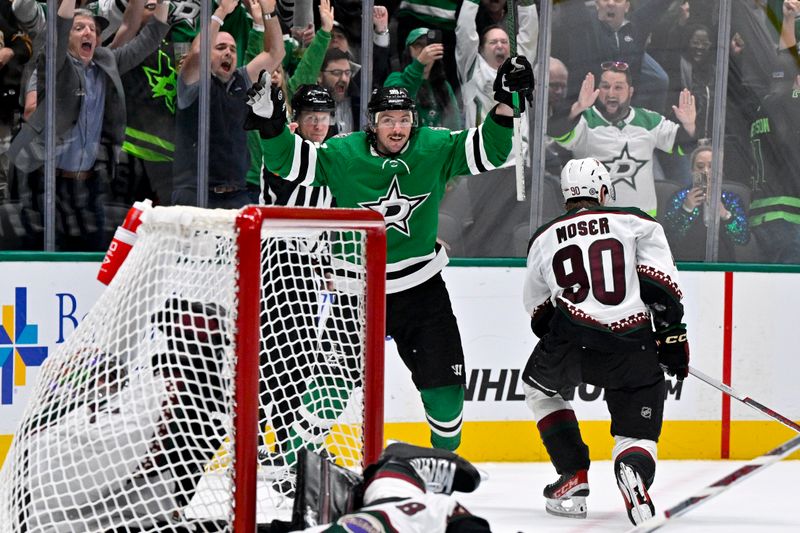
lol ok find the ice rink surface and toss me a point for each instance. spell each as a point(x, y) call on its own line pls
point(511, 499)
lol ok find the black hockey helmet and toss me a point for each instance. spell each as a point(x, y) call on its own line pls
point(390, 99)
point(312, 98)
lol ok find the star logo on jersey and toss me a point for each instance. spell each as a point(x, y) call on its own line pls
point(186, 12)
point(624, 167)
point(396, 207)
point(162, 81)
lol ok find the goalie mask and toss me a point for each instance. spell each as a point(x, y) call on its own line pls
point(584, 178)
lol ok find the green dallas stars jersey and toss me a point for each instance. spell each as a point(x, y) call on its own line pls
point(406, 189)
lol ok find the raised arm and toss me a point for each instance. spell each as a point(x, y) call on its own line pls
point(131, 54)
point(274, 50)
point(528, 37)
point(686, 112)
point(788, 38)
point(131, 22)
point(307, 70)
point(467, 41)
point(190, 70)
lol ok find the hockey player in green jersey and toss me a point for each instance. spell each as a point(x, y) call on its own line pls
point(400, 170)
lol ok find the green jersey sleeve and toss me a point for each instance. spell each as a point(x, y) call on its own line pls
point(477, 150)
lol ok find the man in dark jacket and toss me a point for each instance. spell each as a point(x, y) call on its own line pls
point(90, 104)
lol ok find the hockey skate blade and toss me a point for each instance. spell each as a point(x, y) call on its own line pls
point(574, 507)
point(637, 500)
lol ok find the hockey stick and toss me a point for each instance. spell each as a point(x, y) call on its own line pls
point(747, 400)
point(511, 9)
point(720, 486)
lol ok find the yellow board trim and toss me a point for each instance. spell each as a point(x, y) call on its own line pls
point(518, 441)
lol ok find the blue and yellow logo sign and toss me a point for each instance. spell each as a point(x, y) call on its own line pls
point(17, 346)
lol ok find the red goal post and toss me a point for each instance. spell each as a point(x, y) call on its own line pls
point(249, 224)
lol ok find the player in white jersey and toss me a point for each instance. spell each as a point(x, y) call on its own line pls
point(409, 490)
point(602, 124)
point(598, 280)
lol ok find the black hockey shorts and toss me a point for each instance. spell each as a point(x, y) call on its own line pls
point(422, 323)
point(634, 382)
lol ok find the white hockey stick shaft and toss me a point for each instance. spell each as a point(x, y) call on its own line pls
point(720, 486)
point(519, 166)
point(516, 146)
point(747, 400)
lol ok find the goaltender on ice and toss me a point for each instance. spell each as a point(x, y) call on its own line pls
point(400, 170)
point(598, 280)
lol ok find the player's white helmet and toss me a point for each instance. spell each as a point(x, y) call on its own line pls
point(583, 178)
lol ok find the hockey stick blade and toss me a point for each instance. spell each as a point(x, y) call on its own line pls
point(718, 487)
point(744, 399)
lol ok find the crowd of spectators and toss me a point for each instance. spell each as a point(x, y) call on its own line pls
point(631, 82)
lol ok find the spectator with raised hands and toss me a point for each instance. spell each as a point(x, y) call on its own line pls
point(603, 124)
point(91, 107)
point(308, 69)
point(479, 55)
point(229, 158)
point(584, 36)
point(424, 77)
point(342, 39)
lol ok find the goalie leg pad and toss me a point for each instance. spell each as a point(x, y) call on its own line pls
point(325, 491)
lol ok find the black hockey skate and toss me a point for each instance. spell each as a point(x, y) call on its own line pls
point(441, 470)
point(637, 501)
point(567, 496)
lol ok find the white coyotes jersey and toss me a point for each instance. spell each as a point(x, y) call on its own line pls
point(626, 149)
point(588, 262)
point(424, 513)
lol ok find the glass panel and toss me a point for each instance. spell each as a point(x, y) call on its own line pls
point(761, 155)
point(24, 38)
point(480, 215)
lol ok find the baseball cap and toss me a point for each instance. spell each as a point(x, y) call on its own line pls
point(416, 34)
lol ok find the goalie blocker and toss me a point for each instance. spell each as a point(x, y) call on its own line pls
point(407, 489)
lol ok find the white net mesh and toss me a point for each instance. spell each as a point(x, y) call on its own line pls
point(131, 424)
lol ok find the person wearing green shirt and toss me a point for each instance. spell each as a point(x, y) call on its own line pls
point(425, 79)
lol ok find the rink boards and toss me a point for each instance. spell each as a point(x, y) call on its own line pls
point(741, 324)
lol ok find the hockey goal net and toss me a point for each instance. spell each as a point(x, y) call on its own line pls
point(227, 342)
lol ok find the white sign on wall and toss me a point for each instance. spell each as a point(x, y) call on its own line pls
point(40, 305)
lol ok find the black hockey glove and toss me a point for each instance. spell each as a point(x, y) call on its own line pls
point(514, 75)
point(267, 107)
point(673, 351)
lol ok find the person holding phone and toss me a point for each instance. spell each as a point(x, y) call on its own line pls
point(687, 216)
point(424, 77)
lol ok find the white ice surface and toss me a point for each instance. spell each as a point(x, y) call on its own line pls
point(511, 499)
